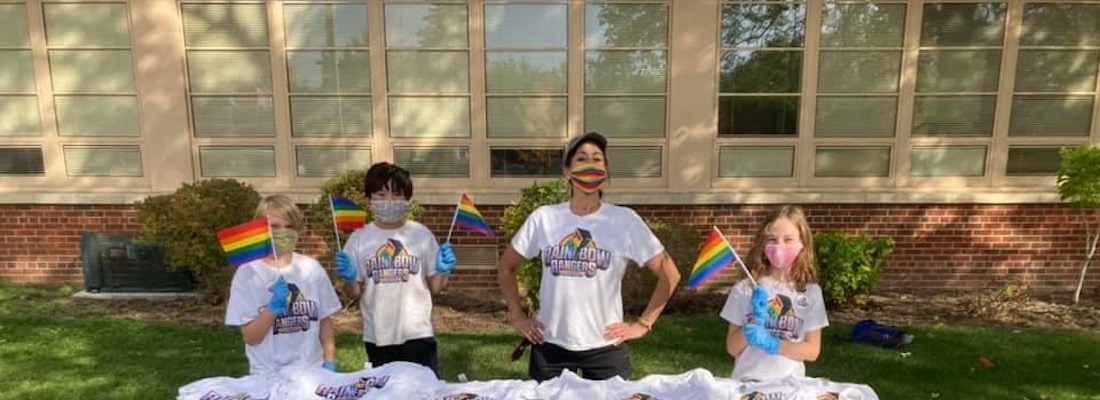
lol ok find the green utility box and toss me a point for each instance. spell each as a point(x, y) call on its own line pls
point(114, 263)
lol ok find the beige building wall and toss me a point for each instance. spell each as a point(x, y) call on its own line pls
point(133, 98)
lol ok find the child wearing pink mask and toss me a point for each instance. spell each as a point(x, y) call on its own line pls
point(776, 325)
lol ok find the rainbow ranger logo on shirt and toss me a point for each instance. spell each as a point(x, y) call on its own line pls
point(392, 263)
point(576, 255)
point(352, 391)
point(216, 396)
point(783, 322)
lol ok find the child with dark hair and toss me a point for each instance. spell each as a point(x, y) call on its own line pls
point(392, 266)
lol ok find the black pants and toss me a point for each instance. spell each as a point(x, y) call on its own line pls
point(421, 351)
point(548, 361)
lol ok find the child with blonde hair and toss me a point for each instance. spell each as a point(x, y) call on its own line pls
point(283, 303)
point(775, 326)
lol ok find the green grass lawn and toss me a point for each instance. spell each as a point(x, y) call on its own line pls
point(51, 353)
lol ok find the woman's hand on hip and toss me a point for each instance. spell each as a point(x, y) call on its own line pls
point(624, 331)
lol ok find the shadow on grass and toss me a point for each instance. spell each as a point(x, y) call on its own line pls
point(110, 359)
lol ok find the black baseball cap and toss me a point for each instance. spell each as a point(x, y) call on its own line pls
point(576, 142)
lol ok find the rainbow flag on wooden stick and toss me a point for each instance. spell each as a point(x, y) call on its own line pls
point(716, 255)
point(248, 241)
point(346, 214)
point(467, 216)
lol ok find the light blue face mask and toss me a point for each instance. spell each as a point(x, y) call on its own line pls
point(389, 211)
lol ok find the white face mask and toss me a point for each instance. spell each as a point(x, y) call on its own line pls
point(389, 211)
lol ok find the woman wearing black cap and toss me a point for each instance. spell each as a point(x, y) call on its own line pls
point(585, 245)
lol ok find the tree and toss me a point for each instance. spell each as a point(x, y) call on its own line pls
point(1079, 184)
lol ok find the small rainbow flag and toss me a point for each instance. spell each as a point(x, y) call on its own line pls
point(468, 217)
point(246, 242)
point(346, 214)
point(716, 255)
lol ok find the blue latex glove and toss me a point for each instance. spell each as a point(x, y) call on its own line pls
point(329, 365)
point(345, 267)
point(279, 293)
point(445, 260)
point(760, 299)
point(759, 337)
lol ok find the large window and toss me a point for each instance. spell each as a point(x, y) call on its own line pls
point(428, 79)
point(329, 86)
point(1055, 86)
point(20, 123)
point(230, 84)
point(95, 95)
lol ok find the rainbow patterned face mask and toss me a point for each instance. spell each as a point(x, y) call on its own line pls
point(588, 178)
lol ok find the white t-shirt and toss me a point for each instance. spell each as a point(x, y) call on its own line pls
point(570, 386)
point(395, 380)
point(295, 337)
point(395, 265)
point(696, 384)
point(798, 388)
point(791, 315)
point(583, 258)
point(488, 390)
point(252, 387)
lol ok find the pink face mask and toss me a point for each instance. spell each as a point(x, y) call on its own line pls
point(782, 256)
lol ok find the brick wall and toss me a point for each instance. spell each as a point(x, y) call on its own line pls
point(937, 246)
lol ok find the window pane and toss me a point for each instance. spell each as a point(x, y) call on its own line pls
point(966, 24)
point(428, 71)
point(859, 72)
point(1023, 161)
point(525, 72)
point(121, 161)
point(331, 116)
point(1050, 116)
point(225, 25)
point(526, 25)
point(862, 25)
point(953, 116)
point(14, 18)
point(326, 25)
point(763, 25)
point(19, 116)
point(958, 71)
point(97, 116)
point(756, 162)
point(440, 162)
point(233, 116)
point(1057, 70)
point(760, 72)
point(21, 161)
point(429, 117)
point(625, 116)
point(852, 162)
point(621, 25)
point(625, 72)
point(87, 24)
point(237, 162)
point(856, 116)
point(422, 25)
point(229, 71)
point(634, 162)
point(543, 117)
point(1061, 25)
point(329, 71)
point(948, 161)
point(324, 162)
point(525, 162)
point(758, 115)
point(84, 71)
point(16, 71)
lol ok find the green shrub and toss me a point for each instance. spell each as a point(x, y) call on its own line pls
point(349, 185)
point(682, 244)
point(186, 223)
point(849, 267)
point(530, 272)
